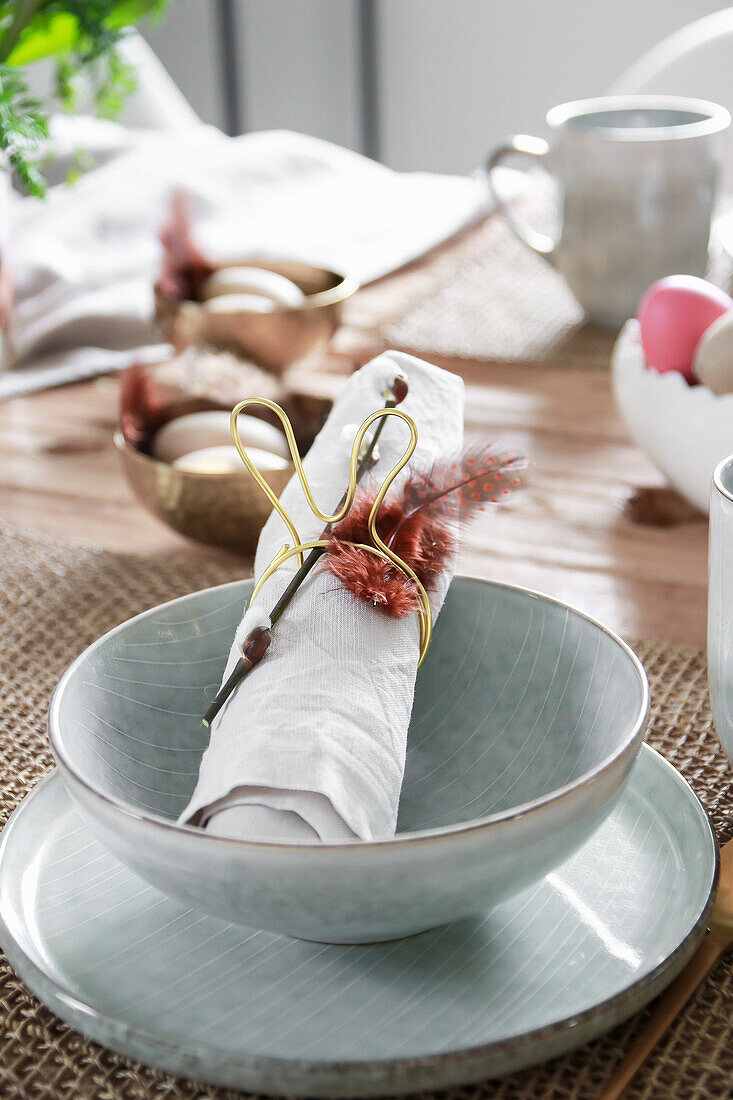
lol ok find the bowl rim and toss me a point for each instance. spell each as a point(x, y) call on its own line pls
point(715, 118)
point(717, 479)
point(629, 745)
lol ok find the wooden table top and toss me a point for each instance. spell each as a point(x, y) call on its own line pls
point(567, 535)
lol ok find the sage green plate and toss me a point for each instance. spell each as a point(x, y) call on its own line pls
point(540, 974)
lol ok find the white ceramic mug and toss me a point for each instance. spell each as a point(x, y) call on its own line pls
point(636, 178)
point(720, 603)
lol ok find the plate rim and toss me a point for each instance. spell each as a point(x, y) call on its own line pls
point(58, 998)
point(616, 760)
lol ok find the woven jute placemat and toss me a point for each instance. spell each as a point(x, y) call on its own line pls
point(494, 300)
point(55, 599)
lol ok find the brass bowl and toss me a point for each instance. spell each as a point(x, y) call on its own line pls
point(276, 339)
point(227, 510)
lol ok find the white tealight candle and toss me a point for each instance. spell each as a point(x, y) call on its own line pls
point(195, 431)
point(255, 282)
point(239, 303)
point(226, 460)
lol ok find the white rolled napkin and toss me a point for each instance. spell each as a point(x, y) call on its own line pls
point(311, 744)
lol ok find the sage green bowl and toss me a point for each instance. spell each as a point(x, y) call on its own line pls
point(528, 717)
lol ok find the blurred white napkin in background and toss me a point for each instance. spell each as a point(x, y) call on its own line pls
point(84, 261)
point(311, 745)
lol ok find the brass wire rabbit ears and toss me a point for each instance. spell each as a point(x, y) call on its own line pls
point(378, 547)
point(362, 459)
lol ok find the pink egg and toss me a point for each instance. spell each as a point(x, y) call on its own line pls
point(673, 315)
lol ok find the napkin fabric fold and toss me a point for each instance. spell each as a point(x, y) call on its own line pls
point(311, 745)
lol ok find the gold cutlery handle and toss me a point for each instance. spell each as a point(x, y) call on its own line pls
point(668, 1005)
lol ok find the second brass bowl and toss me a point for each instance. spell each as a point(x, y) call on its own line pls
point(276, 339)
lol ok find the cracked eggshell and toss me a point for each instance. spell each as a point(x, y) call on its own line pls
point(685, 430)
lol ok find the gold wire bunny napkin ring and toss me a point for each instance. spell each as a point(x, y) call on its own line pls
point(378, 547)
point(256, 643)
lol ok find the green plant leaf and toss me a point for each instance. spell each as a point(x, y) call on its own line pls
point(129, 12)
point(58, 29)
point(48, 35)
point(23, 127)
point(80, 35)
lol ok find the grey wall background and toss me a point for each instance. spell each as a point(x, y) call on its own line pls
point(420, 84)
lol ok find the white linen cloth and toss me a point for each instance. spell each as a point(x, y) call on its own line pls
point(84, 261)
point(312, 743)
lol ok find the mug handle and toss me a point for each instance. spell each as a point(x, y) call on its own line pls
point(525, 146)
